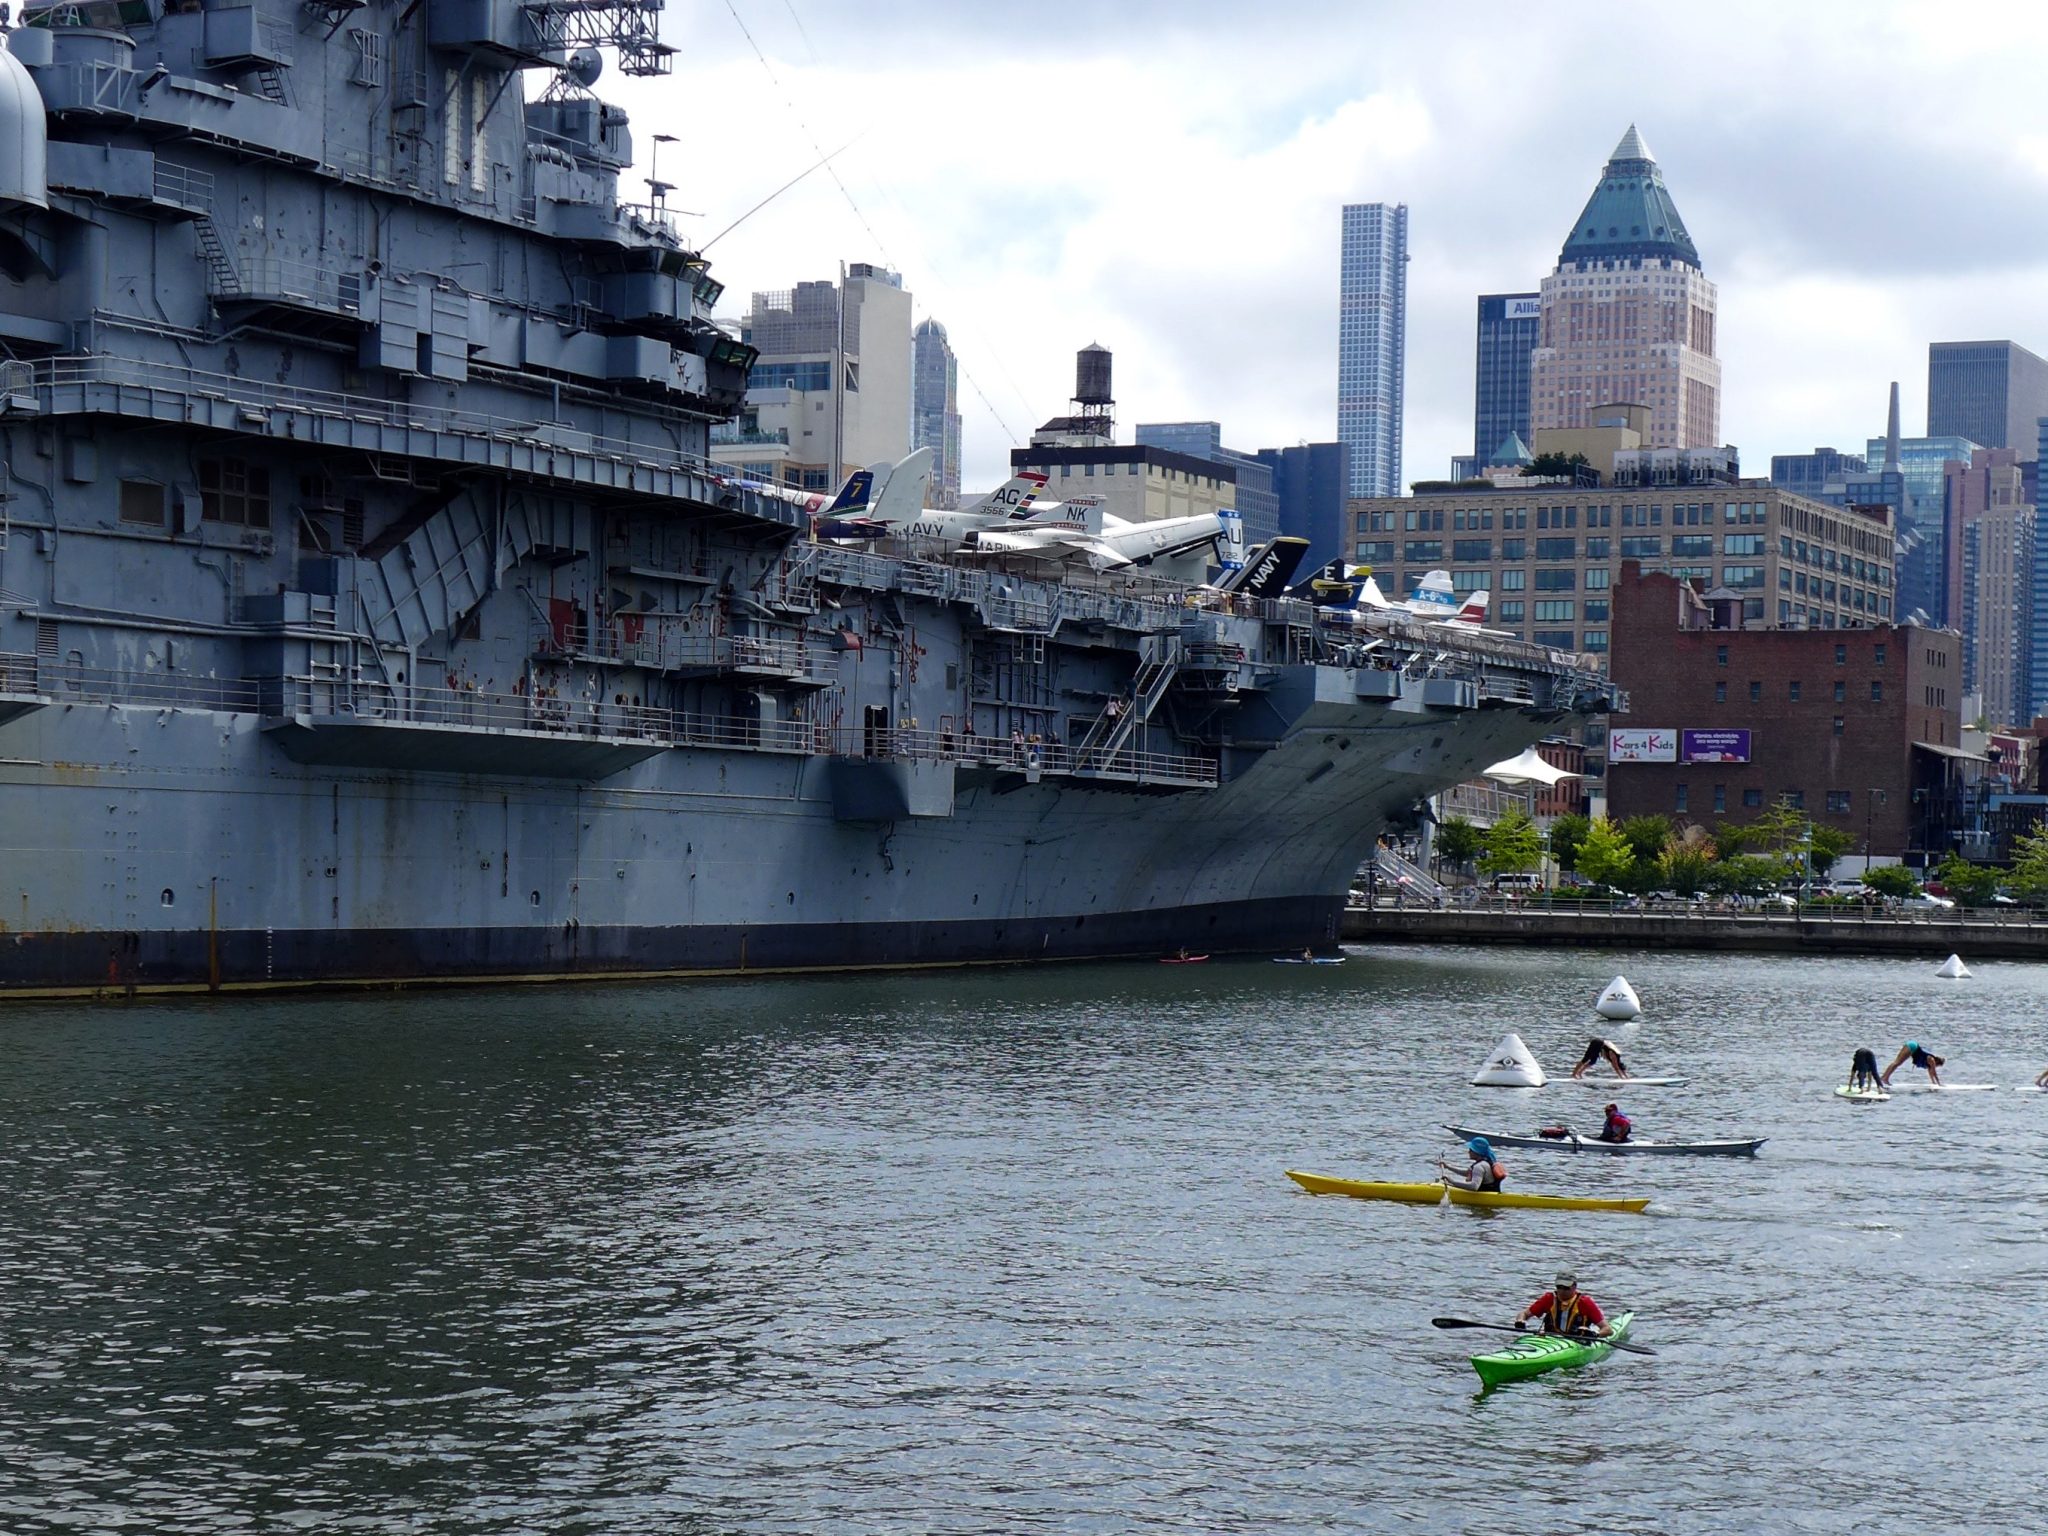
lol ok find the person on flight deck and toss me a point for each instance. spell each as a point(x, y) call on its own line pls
point(1597, 1050)
point(1617, 1126)
point(1486, 1171)
point(1926, 1060)
point(1863, 1073)
point(1564, 1310)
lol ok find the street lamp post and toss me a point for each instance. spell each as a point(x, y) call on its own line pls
point(1869, 811)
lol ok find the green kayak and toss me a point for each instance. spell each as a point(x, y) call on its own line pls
point(1541, 1352)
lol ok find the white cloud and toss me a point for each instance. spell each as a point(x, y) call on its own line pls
point(1166, 180)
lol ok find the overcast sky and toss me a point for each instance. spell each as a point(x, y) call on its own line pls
point(1861, 179)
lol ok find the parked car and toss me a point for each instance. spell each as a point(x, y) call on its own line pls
point(1927, 902)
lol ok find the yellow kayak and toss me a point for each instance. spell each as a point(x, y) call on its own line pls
point(1541, 1202)
point(1359, 1189)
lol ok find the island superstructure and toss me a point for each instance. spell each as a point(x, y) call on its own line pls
point(371, 611)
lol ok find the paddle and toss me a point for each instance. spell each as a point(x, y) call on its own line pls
point(1460, 1322)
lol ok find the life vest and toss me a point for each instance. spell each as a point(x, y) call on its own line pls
point(1496, 1175)
point(1562, 1317)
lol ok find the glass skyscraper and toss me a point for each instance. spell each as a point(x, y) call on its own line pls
point(1509, 324)
point(1372, 330)
point(935, 409)
point(1810, 474)
point(1992, 392)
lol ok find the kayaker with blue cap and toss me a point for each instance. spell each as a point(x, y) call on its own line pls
point(1617, 1127)
point(1564, 1309)
point(1923, 1059)
point(1486, 1171)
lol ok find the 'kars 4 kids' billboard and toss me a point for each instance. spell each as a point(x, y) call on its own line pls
point(1713, 746)
point(1656, 745)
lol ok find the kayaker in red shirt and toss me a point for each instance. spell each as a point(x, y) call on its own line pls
point(1563, 1309)
point(1617, 1127)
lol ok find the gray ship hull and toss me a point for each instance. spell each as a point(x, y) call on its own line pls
point(238, 868)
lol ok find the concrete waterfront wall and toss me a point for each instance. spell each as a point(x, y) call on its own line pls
point(1974, 937)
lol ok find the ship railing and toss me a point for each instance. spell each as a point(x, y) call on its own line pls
point(72, 682)
point(173, 378)
point(1136, 603)
point(278, 279)
point(665, 647)
point(545, 711)
point(1021, 754)
point(183, 186)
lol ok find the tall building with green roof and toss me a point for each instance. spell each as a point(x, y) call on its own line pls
point(1628, 317)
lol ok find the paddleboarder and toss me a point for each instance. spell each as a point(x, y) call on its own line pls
point(1486, 1171)
point(1598, 1050)
point(1863, 1073)
point(1564, 1309)
point(1617, 1127)
point(1924, 1059)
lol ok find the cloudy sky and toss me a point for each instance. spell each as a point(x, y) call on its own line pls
point(1166, 178)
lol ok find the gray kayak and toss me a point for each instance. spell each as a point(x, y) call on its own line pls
point(1635, 1144)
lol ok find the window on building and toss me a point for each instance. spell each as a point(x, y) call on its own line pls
point(1642, 549)
point(1720, 798)
point(1423, 550)
point(1841, 692)
point(1599, 580)
point(1376, 552)
point(1601, 548)
point(1596, 610)
point(1841, 655)
point(1756, 693)
point(1678, 797)
point(1878, 657)
point(1752, 798)
point(1796, 798)
point(1596, 640)
point(1511, 611)
point(1720, 693)
point(142, 502)
point(1514, 549)
point(1877, 693)
point(1475, 551)
point(1557, 549)
point(1692, 545)
point(1557, 581)
point(1513, 581)
point(1556, 611)
point(235, 492)
point(1792, 691)
point(1720, 655)
point(1742, 543)
point(1838, 802)
point(1557, 639)
point(1742, 576)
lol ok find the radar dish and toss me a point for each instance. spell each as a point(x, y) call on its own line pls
point(584, 66)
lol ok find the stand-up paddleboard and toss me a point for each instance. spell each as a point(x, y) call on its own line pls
point(1625, 1082)
point(1619, 1002)
point(1953, 969)
point(1510, 1066)
point(2030, 1088)
point(1944, 1087)
point(1863, 1095)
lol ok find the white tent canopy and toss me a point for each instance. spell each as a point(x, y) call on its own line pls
point(1529, 768)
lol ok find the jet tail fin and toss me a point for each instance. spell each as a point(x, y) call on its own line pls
point(858, 491)
point(1230, 543)
point(901, 497)
point(1266, 569)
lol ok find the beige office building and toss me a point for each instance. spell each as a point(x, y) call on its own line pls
point(1629, 314)
point(1548, 553)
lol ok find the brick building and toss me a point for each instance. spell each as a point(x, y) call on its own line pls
point(1861, 728)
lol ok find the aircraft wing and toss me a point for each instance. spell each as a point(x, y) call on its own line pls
point(1046, 544)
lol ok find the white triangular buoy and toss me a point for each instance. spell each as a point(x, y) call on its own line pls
point(1510, 1066)
point(1619, 1001)
point(1953, 968)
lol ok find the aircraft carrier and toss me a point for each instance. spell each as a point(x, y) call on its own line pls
point(370, 611)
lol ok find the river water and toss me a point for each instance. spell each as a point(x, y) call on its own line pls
point(1013, 1251)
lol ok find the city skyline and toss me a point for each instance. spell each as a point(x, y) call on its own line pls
point(1788, 175)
